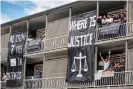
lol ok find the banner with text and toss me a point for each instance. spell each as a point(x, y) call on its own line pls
point(15, 61)
point(81, 47)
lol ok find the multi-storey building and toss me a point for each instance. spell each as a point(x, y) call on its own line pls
point(51, 58)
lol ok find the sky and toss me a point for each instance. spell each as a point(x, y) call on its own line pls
point(12, 9)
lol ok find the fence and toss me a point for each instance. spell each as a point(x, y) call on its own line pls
point(114, 31)
point(56, 43)
point(119, 79)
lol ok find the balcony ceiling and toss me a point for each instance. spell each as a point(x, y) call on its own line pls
point(38, 22)
point(19, 26)
point(116, 44)
point(110, 5)
point(58, 15)
point(84, 7)
point(5, 30)
point(77, 8)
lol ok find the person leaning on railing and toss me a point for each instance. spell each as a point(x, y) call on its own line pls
point(109, 19)
point(123, 18)
point(104, 22)
point(117, 18)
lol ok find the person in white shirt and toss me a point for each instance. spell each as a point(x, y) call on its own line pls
point(106, 61)
point(29, 38)
point(109, 20)
point(104, 20)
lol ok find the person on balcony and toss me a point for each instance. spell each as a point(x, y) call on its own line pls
point(109, 19)
point(123, 18)
point(117, 66)
point(106, 60)
point(122, 64)
point(4, 77)
point(99, 21)
point(104, 22)
point(117, 18)
point(30, 38)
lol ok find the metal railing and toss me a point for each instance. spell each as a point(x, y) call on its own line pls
point(118, 31)
point(114, 31)
point(2, 84)
point(55, 43)
point(119, 79)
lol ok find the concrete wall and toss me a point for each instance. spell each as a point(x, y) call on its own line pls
point(55, 67)
point(4, 40)
point(57, 28)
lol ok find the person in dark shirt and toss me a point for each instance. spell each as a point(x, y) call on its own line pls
point(117, 18)
point(99, 21)
point(123, 18)
point(122, 65)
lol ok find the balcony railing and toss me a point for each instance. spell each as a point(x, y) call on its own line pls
point(114, 31)
point(119, 79)
point(56, 43)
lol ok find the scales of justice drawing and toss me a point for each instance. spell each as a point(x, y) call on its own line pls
point(74, 66)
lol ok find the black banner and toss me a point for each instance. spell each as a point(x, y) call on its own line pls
point(15, 61)
point(81, 47)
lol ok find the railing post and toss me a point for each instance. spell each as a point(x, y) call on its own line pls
point(95, 66)
point(127, 16)
point(126, 62)
point(70, 15)
point(46, 28)
point(24, 68)
point(96, 30)
point(43, 83)
point(43, 65)
point(27, 32)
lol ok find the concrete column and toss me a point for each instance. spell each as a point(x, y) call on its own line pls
point(10, 29)
point(43, 65)
point(97, 24)
point(97, 8)
point(127, 16)
point(46, 26)
point(24, 68)
point(27, 31)
point(96, 52)
point(126, 54)
point(70, 15)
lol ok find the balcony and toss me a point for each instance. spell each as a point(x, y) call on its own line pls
point(114, 31)
point(103, 34)
point(119, 79)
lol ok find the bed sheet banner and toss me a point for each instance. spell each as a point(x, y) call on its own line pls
point(15, 61)
point(81, 47)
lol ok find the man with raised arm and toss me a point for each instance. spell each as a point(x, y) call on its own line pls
point(106, 60)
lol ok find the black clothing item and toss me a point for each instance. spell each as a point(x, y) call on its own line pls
point(99, 21)
point(116, 18)
point(123, 19)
